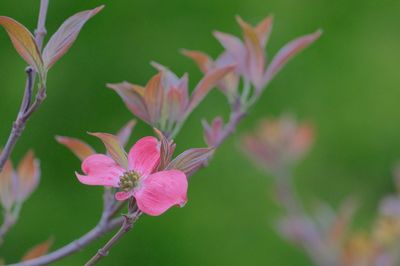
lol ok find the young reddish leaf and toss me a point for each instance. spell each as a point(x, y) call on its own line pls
point(174, 102)
point(153, 96)
point(191, 160)
point(201, 59)
point(183, 87)
point(124, 133)
point(288, 52)
point(256, 54)
point(78, 147)
point(38, 250)
point(65, 36)
point(114, 148)
point(23, 41)
point(263, 30)
point(133, 97)
point(7, 191)
point(169, 78)
point(28, 173)
point(167, 148)
point(206, 84)
point(231, 43)
point(213, 132)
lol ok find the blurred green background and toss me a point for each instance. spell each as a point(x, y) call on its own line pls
point(348, 84)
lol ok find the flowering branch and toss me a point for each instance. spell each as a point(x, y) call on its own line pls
point(147, 176)
point(26, 109)
point(167, 91)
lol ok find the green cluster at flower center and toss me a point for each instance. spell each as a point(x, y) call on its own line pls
point(128, 180)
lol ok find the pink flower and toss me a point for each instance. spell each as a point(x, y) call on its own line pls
point(154, 191)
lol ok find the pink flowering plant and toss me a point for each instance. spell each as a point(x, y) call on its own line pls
point(135, 175)
point(146, 178)
point(327, 235)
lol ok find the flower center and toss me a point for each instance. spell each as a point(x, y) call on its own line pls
point(128, 180)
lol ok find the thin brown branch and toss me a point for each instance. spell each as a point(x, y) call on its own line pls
point(74, 246)
point(26, 110)
point(129, 220)
point(8, 222)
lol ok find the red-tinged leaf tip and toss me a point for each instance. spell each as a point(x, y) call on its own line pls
point(264, 29)
point(114, 148)
point(249, 32)
point(256, 61)
point(158, 66)
point(289, 51)
point(98, 9)
point(23, 42)
point(38, 250)
point(153, 96)
point(203, 61)
point(28, 173)
point(81, 149)
point(65, 36)
point(230, 42)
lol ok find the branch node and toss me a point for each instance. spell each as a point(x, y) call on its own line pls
point(102, 252)
point(29, 70)
point(41, 32)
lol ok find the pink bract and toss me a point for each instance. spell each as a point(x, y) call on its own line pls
point(155, 192)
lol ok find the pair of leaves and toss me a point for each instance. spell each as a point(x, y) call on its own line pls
point(25, 44)
point(250, 56)
point(164, 102)
point(16, 185)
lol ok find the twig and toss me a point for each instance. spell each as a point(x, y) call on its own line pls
point(26, 110)
point(8, 222)
point(286, 191)
point(129, 220)
point(105, 225)
point(74, 246)
point(310, 240)
point(236, 116)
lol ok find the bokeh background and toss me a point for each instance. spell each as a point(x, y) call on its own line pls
point(348, 84)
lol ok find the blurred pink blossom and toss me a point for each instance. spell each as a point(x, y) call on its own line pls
point(279, 142)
